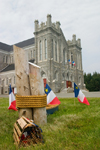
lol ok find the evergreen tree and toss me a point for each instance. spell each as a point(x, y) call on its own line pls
point(92, 81)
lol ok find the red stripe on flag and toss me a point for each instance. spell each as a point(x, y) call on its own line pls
point(85, 101)
point(13, 105)
point(55, 101)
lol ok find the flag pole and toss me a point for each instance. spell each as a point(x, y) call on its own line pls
point(74, 100)
point(74, 97)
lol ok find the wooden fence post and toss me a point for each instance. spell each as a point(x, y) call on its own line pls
point(22, 78)
point(37, 88)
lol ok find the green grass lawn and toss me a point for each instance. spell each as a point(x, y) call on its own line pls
point(72, 127)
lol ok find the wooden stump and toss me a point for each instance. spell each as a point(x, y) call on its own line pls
point(22, 78)
point(37, 88)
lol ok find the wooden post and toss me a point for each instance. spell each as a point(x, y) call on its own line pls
point(37, 88)
point(22, 78)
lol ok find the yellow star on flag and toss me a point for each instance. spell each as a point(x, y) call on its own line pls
point(76, 87)
point(46, 90)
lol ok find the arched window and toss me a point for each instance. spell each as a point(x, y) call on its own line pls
point(7, 81)
point(52, 50)
point(45, 49)
point(12, 59)
point(14, 80)
point(31, 54)
point(10, 81)
point(64, 56)
point(4, 59)
point(63, 76)
point(40, 46)
point(72, 58)
point(80, 80)
point(55, 51)
point(71, 77)
point(79, 62)
point(67, 76)
point(2, 82)
point(56, 76)
point(28, 55)
point(43, 74)
point(34, 53)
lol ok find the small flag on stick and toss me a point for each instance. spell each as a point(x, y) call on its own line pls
point(81, 97)
point(51, 97)
point(73, 63)
point(12, 101)
point(69, 61)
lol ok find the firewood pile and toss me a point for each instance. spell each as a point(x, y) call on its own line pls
point(26, 132)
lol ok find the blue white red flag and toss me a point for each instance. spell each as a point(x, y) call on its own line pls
point(12, 101)
point(51, 97)
point(73, 63)
point(69, 61)
point(81, 97)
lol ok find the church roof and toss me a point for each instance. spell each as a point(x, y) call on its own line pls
point(12, 66)
point(5, 47)
point(24, 43)
point(9, 68)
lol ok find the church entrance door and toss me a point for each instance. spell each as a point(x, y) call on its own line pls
point(68, 84)
point(45, 81)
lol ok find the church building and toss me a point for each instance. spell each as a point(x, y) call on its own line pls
point(60, 60)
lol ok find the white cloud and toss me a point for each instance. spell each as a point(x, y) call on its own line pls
point(76, 17)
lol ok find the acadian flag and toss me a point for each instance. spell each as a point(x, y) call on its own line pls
point(12, 101)
point(81, 97)
point(69, 61)
point(73, 63)
point(51, 97)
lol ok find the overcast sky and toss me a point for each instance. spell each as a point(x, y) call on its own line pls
point(76, 17)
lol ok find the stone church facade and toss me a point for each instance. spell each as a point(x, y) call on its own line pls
point(50, 50)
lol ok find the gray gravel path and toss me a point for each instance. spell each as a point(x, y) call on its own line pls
point(66, 95)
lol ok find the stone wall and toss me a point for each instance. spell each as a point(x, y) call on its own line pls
point(58, 71)
point(6, 79)
point(3, 61)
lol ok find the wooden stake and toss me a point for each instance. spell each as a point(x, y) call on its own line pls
point(37, 88)
point(22, 79)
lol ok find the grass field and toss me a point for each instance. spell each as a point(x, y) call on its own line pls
point(72, 127)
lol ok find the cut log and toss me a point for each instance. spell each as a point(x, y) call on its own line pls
point(37, 88)
point(22, 78)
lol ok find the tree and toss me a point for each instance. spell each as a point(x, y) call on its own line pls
point(92, 81)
